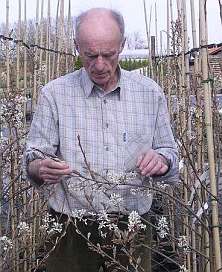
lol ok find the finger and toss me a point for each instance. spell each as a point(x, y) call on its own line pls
point(146, 160)
point(54, 164)
point(154, 164)
point(49, 166)
point(159, 169)
point(51, 181)
point(50, 177)
point(53, 171)
point(163, 170)
point(156, 169)
point(139, 160)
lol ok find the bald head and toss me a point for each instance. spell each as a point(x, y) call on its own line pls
point(99, 41)
point(100, 20)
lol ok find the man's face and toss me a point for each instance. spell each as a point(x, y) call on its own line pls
point(99, 50)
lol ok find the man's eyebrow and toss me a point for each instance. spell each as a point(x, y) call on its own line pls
point(103, 53)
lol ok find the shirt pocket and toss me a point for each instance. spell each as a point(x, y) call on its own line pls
point(135, 144)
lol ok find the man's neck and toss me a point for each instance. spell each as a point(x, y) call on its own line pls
point(111, 85)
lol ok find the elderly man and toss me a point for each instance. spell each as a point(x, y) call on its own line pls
point(122, 122)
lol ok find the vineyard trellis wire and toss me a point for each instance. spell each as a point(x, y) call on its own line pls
point(183, 229)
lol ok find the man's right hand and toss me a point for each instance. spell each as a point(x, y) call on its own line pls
point(48, 171)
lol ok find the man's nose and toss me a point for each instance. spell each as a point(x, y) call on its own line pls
point(99, 64)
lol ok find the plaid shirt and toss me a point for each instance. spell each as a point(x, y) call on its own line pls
point(114, 128)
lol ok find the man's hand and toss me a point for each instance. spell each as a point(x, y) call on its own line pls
point(48, 170)
point(152, 163)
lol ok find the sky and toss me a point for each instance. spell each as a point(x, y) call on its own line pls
point(132, 11)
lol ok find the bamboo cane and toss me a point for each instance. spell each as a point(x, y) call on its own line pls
point(34, 100)
point(25, 49)
point(25, 64)
point(41, 43)
point(147, 32)
point(168, 89)
point(1, 197)
point(55, 41)
point(149, 41)
point(156, 30)
point(156, 47)
point(183, 95)
point(24, 195)
point(32, 230)
point(68, 38)
point(7, 47)
point(187, 88)
point(198, 131)
point(60, 37)
point(210, 141)
point(18, 46)
point(12, 201)
point(48, 41)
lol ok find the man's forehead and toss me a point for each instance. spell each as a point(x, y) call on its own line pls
point(101, 26)
point(99, 44)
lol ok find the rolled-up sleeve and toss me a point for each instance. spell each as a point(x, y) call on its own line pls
point(43, 134)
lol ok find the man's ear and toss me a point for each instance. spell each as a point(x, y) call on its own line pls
point(122, 44)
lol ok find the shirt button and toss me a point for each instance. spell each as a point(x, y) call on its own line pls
point(106, 148)
point(104, 101)
point(107, 125)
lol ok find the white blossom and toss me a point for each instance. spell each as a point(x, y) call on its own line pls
point(134, 222)
point(5, 243)
point(105, 223)
point(184, 244)
point(141, 192)
point(23, 228)
point(116, 200)
point(55, 228)
point(121, 177)
point(78, 213)
point(116, 178)
point(162, 227)
point(50, 225)
point(183, 268)
point(161, 185)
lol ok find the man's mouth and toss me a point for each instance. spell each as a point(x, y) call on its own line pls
point(100, 75)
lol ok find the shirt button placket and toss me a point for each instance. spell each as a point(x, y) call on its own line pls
point(106, 125)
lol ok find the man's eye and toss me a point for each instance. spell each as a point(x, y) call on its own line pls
point(91, 56)
point(109, 55)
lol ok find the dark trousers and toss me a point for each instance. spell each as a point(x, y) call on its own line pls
point(73, 254)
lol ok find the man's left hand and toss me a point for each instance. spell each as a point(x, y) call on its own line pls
point(152, 163)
